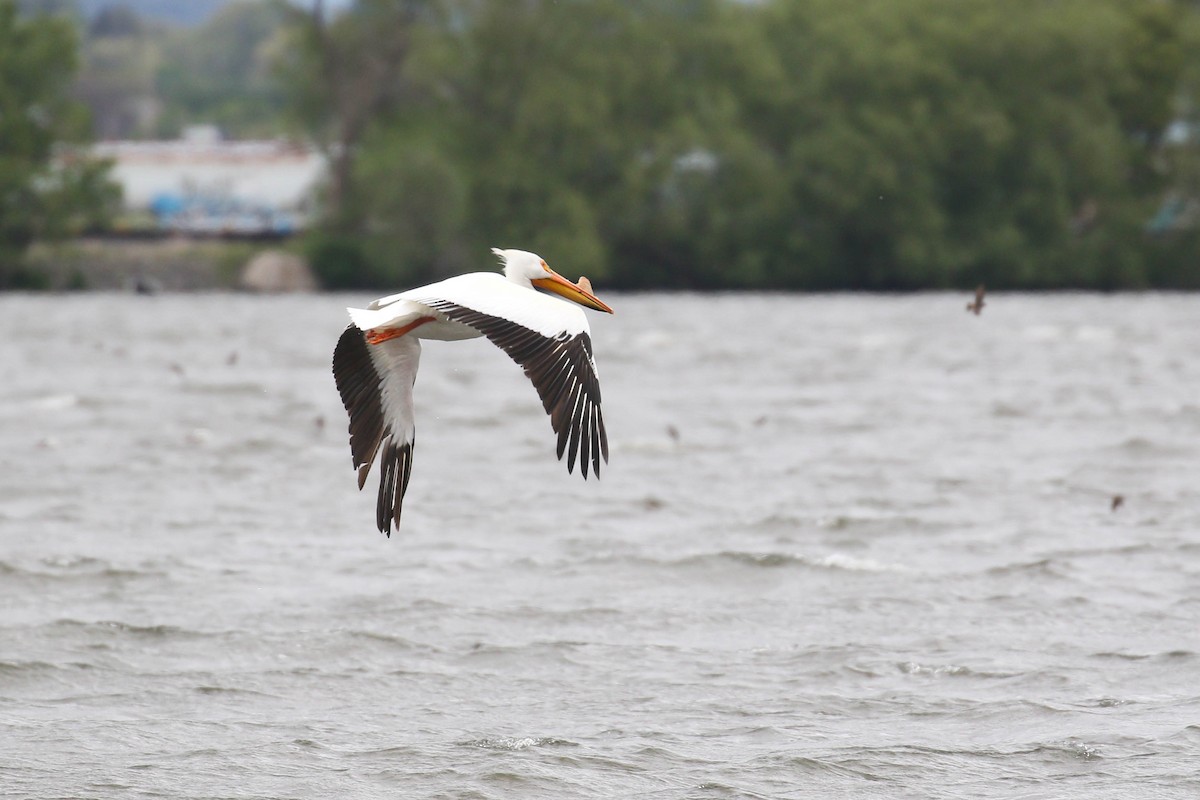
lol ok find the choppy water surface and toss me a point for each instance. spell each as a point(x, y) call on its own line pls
point(845, 547)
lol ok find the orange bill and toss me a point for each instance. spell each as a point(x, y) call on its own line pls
point(576, 293)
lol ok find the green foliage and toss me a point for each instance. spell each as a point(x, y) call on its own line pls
point(120, 56)
point(222, 72)
point(339, 261)
point(143, 79)
point(413, 220)
point(708, 144)
point(343, 72)
point(37, 198)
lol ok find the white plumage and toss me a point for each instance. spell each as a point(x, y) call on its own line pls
point(375, 363)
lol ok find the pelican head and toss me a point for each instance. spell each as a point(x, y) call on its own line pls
point(530, 269)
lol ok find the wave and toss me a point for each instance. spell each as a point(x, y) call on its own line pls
point(949, 671)
point(1170, 655)
point(386, 640)
point(54, 402)
point(1071, 748)
point(209, 689)
point(863, 759)
point(511, 743)
point(1047, 567)
point(17, 668)
point(248, 389)
point(128, 629)
point(1146, 447)
point(724, 559)
point(883, 522)
point(770, 560)
point(74, 568)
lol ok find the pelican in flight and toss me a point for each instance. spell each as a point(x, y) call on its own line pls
point(375, 363)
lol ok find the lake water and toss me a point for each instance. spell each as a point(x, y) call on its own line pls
point(846, 547)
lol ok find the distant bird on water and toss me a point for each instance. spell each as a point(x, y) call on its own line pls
point(977, 304)
point(375, 363)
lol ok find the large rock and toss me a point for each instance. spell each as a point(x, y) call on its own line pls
point(277, 271)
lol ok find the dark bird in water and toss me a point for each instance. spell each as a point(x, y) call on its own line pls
point(375, 363)
point(1118, 501)
point(144, 285)
point(977, 304)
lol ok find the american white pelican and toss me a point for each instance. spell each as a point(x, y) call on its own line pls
point(375, 363)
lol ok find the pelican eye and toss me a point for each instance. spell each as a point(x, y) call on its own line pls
point(545, 266)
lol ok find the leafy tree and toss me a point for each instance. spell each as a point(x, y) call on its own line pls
point(342, 73)
point(120, 56)
point(562, 109)
point(222, 72)
point(38, 198)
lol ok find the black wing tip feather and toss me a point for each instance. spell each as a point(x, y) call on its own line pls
point(358, 383)
point(593, 444)
point(395, 471)
point(563, 372)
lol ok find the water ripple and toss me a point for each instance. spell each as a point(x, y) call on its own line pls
point(879, 559)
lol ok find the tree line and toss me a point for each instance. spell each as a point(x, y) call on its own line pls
point(703, 144)
point(714, 144)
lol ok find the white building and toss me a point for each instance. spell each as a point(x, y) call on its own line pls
point(203, 185)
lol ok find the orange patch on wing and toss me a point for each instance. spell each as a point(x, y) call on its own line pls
point(379, 335)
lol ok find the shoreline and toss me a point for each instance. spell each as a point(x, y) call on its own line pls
point(180, 264)
point(168, 264)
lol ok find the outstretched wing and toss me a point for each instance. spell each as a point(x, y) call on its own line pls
point(375, 382)
point(550, 339)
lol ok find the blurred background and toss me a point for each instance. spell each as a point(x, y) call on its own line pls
point(686, 144)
